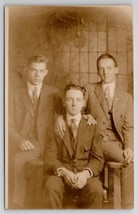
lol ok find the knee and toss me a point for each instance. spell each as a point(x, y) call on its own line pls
point(19, 161)
point(96, 190)
point(55, 187)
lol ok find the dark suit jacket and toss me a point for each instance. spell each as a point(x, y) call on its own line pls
point(22, 114)
point(122, 112)
point(89, 153)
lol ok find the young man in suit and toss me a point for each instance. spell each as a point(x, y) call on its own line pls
point(113, 110)
point(74, 162)
point(31, 112)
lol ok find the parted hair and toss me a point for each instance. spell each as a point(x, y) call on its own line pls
point(106, 56)
point(38, 58)
point(74, 86)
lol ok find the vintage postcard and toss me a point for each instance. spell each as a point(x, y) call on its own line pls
point(58, 61)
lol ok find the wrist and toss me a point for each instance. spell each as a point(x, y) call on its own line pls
point(61, 172)
point(87, 173)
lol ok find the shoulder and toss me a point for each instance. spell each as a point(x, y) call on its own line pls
point(91, 86)
point(50, 88)
point(18, 90)
point(124, 94)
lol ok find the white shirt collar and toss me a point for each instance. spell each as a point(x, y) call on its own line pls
point(76, 117)
point(111, 86)
point(31, 88)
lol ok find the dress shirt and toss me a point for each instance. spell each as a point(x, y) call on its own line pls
point(32, 87)
point(77, 118)
point(111, 86)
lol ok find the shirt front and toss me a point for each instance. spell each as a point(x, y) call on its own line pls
point(77, 118)
point(111, 86)
point(31, 88)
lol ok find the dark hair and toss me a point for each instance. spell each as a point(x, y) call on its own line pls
point(37, 58)
point(106, 56)
point(74, 86)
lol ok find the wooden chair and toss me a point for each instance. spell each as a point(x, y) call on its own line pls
point(36, 197)
point(110, 170)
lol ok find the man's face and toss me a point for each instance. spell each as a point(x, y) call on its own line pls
point(107, 70)
point(36, 72)
point(74, 101)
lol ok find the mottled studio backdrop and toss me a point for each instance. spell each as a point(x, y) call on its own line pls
point(72, 38)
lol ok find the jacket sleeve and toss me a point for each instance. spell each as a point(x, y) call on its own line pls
point(14, 135)
point(51, 162)
point(128, 128)
point(96, 161)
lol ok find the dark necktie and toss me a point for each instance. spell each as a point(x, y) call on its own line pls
point(108, 97)
point(74, 128)
point(34, 97)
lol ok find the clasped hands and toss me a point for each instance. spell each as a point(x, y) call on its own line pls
point(75, 181)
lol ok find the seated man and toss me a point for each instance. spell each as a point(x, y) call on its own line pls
point(31, 111)
point(74, 162)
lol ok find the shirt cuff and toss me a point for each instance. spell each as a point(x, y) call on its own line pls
point(58, 171)
point(90, 171)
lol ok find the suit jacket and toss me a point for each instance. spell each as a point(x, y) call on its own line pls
point(89, 153)
point(122, 112)
point(21, 115)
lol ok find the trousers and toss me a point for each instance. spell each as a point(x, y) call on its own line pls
point(91, 195)
point(113, 152)
point(19, 175)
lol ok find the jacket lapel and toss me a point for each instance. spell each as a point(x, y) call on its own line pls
point(116, 101)
point(43, 100)
point(67, 141)
point(100, 97)
point(82, 136)
point(26, 99)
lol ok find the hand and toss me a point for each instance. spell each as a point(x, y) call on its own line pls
point(90, 119)
point(26, 145)
point(69, 177)
point(60, 126)
point(81, 179)
point(128, 155)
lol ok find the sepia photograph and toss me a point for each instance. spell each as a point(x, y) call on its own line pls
point(69, 94)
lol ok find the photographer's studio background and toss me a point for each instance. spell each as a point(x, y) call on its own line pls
point(72, 38)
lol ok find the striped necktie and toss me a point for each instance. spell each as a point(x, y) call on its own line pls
point(108, 97)
point(34, 97)
point(74, 128)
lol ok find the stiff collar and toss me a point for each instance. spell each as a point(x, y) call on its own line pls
point(77, 118)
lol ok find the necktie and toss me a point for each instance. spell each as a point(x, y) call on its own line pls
point(74, 128)
point(34, 97)
point(108, 97)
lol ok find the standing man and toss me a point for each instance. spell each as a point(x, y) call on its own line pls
point(32, 110)
point(74, 162)
point(113, 110)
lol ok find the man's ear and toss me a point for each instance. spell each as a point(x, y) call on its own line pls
point(84, 104)
point(46, 72)
point(116, 70)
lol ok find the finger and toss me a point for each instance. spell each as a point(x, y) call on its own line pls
point(64, 127)
point(31, 146)
point(28, 145)
point(24, 147)
point(59, 132)
point(62, 131)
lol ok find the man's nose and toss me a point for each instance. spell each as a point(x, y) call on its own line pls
point(74, 103)
point(105, 71)
point(37, 73)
